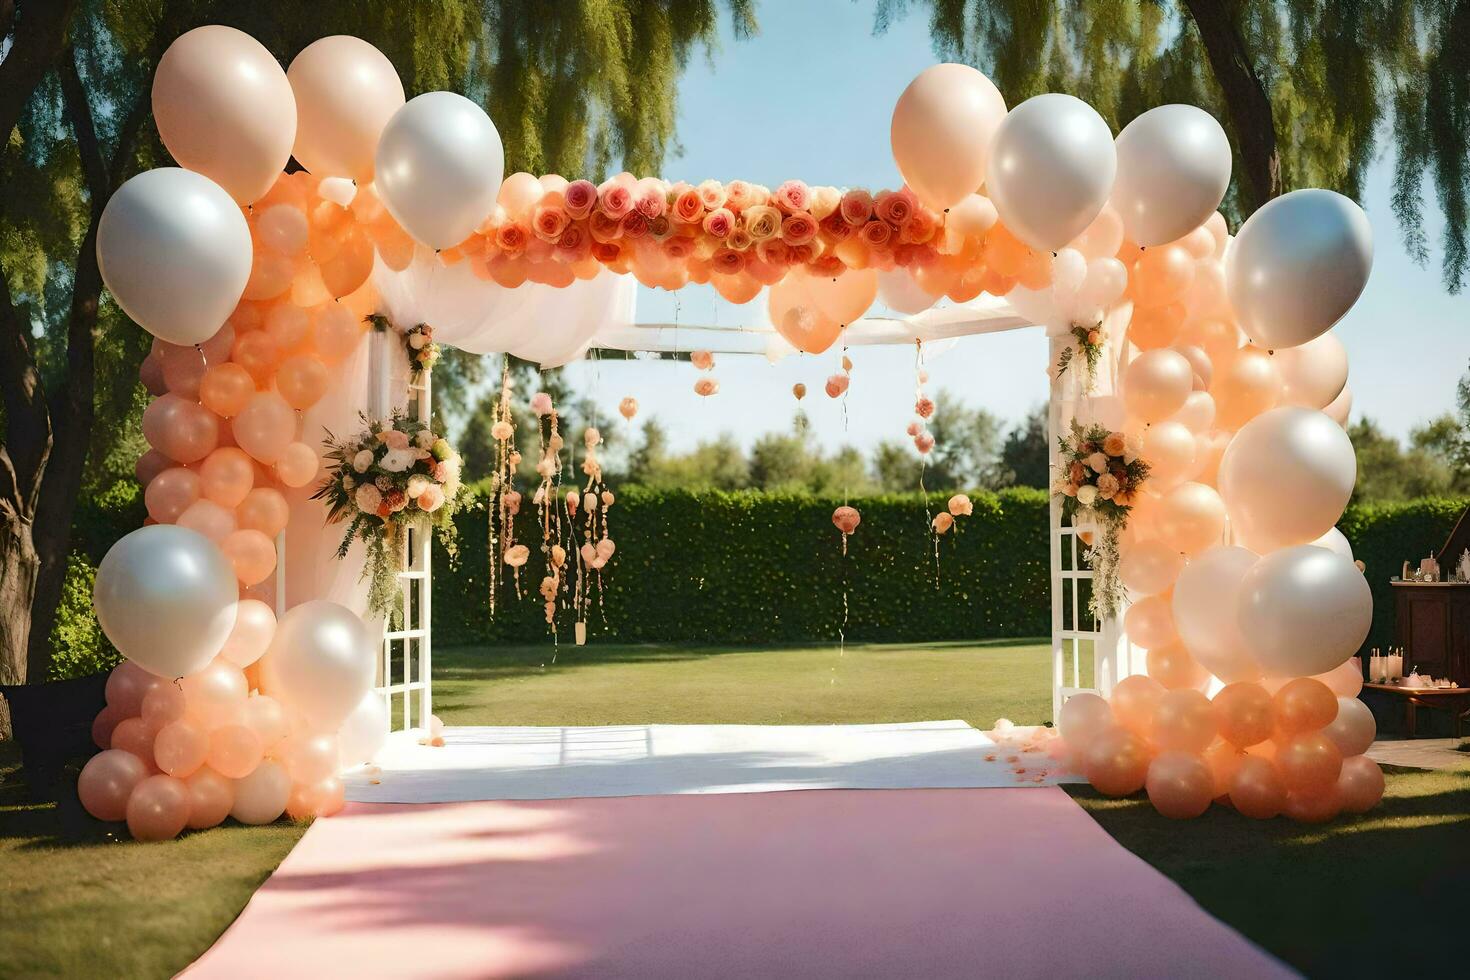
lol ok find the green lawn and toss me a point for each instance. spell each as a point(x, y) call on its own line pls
point(90, 904)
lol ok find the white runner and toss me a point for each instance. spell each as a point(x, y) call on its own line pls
point(507, 763)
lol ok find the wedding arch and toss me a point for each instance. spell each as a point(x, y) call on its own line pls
point(1195, 422)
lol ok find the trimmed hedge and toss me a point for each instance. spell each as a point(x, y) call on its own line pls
point(754, 567)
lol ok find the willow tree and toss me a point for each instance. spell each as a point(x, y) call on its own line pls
point(1308, 90)
point(575, 87)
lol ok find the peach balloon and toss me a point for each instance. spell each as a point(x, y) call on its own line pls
point(352, 264)
point(288, 327)
point(1169, 448)
point(234, 751)
point(1156, 384)
point(1155, 328)
point(179, 428)
point(1360, 784)
point(1304, 705)
point(1218, 338)
point(158, 809)
point(1116, 763)
point(164, 705)
point(107, 719)
point(106, 782)
point(1309, 762)
point(1150, 622)
point(1345, 680)
point(1162, 275)
point(1204, 369)
point(265, 426)
point(336, 332)
point(1244, 386)
point(310, 757)
point(1083, 717)
point(267, 718)
point(1197, 415)
point(1134, 700)
point(208, 518)
point(210, 798)
point(252, 554)
point(216, 694)
point(1224, 761)
point(149, 465)
point(1101, 239)
point(1245, 713)
point(224, 109)
point(1149, 567)
point(226, 389)
point(298, 465)
point(1183, 721)
point(319, 799)
point(181, 748)
point(1256, 790)
point(127, 686)
point(346, 90)
point(1317, 806)
point(133, 736)
point(150, 372)
point(226, 476)
point(264, 509)
point(1353, 729)
point(1341, 407)
point(845, 297)
point(302, 380)
point(1209, 450)
point(1180, 785)
point(255, 624)
point(171, 492)
point(519, 193)
point(1191, 518)
point(941, 132)
point(183, 368)
point(261, 796)
point(1174, 668)
point(257, 354)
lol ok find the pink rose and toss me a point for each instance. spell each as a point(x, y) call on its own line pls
point(394, 439)
point(835, 228)
point(580, 198)
point(920, 228)
point(651, 201)
point(712, 194)
point(877, 234)
point(603, 228)
point(793, 196)
point(719, 222)
point(549, 221)
point(727, 261)
point(803, 254)
point(614, 199)
point(738, 195)
point(798, 229)
point(431, 499)
point(511, 238)
point(856, 207)
point(689, 207)
point(574, 244)
point(773, 251)
point(635, 226)
point(895, 207)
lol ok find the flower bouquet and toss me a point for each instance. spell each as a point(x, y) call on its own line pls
point(418, 343)
point(1087, 344)
point(1099, 475)
point(391, 475)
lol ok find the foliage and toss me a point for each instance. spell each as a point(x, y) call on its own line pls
point(80, 647)
point(1431, 465)
point(1024, 461)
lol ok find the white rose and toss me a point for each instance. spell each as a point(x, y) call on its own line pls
point(368, 498)
point(1098, 462)
point(417, 341)
point(362, 460)
point(424, 439)
point(1086, 494)
point(417, 485)
point(397, 460)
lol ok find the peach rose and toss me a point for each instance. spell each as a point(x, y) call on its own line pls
point(793, 196)
point(739, 240)
point(895, 207)
point(367, 498)
point(1107, 486)
point(549, 221)
point(739, 195)
point(773, 251)
point(727, 261)
point(1114, 444)
point(798, 229)
point(824, 201)
point(835, 228)
point(719, 222)
point(877, 234)
point(920, 228)
point(635, 226)
point(689, 207)
point(579, 198)
point(511, 238)
point(712, 194)
point(431, 499)
point(829, 266)
point(614, 199)
point(573, 245)
point(678, 247)
point(603, 228)
point(393, 439)
point(660, 227)
point(762, 222)
point(856, 207)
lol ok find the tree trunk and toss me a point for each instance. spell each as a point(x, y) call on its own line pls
point(1245, 100)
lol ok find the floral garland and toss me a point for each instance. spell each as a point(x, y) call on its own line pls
point(1100, 474)
point(389, 477)
point(1087, 342)
point(418, 344)
point(739, 235)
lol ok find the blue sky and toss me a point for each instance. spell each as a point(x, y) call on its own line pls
point(811, 97)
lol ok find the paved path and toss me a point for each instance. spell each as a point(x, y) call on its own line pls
point(1421, 753)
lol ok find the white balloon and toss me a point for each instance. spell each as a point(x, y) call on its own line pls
point(1106, 280)
point(1069, 273)
point(1298, 265)
point(1036, 305)
point(1303, 611)
point(899, 291)
point(166, 598)
point(438, 167)
point(364, 731)
point(1051, 169)
point(1353, 729)
point(260, 797)
point(321, 662)
point(175, 252)
point(1314, 374)
point(1286, 478)
point(1335, 541)
point(1173, 170)
point(1205, 601)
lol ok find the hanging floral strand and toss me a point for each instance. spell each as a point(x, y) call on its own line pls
point(548, 467)
point(597, 545)
point(505, 500)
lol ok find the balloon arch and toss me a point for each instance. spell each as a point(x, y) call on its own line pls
point(1197, 411)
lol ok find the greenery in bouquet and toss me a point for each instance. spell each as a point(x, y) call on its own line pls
point(1098, 478)
point(418, 344)
point(1087, 343)
point(394, 474)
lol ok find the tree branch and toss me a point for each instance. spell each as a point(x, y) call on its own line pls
point(40, 33)
point(1245, 100)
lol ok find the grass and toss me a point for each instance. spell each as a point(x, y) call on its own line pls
point(1363, 895)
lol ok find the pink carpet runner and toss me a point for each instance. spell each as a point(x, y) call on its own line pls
point(834, 883)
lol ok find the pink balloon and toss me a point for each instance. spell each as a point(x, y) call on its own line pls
point(1180, 784)
point(181, 748)
point(1345, 680)
point(163, 705)
point(208, 518)
point(1084, 717)
point(150, 372)
point(127, 685)
point(210, 798)
point(224, 109)
point(170, 493)
point(226, 476)
point(179, 428)
point(265, 716)
point(309, 758)
point(234, 751)
point(1184, 721)
point(150, 465)
point(255, 624)
point(158, 809)
point(107, 719)
point(265, 426)
point(1134, 701)
point(319, 799)
point(135, 738)
point(183, 368)
point(346, 90)
point(216, 694)
point(106, 782)
point(1256, 790)
point(260, 797)
point(252, 554)
point(519, 193)
point(1360, 784)
point(1156, 384)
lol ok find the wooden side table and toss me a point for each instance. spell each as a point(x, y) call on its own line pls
point(1455, 700)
